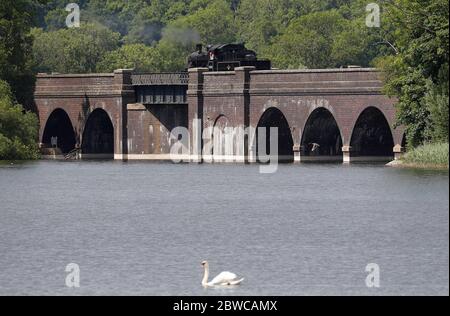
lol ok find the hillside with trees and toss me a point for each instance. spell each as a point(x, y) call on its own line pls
point(18, 128)
point(411, 46)
point(157, 35)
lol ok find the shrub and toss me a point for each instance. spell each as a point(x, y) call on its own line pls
point(18, 128)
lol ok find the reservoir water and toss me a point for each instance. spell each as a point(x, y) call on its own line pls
point(144, 228)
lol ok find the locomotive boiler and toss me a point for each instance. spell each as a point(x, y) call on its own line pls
point(226, 57)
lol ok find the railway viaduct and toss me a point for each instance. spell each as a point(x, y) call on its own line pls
point(330, 114)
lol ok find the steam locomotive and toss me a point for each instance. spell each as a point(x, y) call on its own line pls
point(226, 58)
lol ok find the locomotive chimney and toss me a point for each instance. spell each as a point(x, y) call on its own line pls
point(199, 48)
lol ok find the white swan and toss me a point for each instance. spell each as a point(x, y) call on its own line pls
point(223, 279)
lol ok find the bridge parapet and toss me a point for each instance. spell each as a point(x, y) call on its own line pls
point(150, 79)
point(76, 85)
point(317, 81)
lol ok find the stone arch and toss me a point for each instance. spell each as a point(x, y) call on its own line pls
point(321, 136)
point(98, 135)
point(372, 135)
point(59, 127)
point(273, 117)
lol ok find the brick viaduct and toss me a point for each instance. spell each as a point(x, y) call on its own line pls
point(330, 114)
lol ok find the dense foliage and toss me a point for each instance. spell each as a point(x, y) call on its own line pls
point(418, 73)
point(18, 129)
point(16, 19)
point(73, 50)
point(293, 33)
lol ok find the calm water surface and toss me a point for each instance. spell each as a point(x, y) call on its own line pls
point(144, 228)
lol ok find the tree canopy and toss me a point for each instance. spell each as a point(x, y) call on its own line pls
point(293, 33)
point(417, 74)
point(18, 129)
point(16, 19)
point(74, 50)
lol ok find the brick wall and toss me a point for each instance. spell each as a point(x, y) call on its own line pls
point(79, 95)
point(239, 97)
point(242, 96)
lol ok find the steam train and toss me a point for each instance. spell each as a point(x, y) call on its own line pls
point(226, 58)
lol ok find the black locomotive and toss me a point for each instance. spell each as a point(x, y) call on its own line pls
point(226, 58)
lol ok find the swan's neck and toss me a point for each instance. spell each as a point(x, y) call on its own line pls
point(205, 276)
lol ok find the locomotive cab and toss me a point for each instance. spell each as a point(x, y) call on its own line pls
point(226, 58)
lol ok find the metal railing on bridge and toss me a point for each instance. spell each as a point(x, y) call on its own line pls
point(152, 79)
point(160, 88)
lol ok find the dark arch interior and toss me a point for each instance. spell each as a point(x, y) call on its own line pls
point(59, 125)
point(98, 136)
point(321, 136)
point(275, 118)
point(372, 135)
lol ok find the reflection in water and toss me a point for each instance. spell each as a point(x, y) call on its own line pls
point(144, 228)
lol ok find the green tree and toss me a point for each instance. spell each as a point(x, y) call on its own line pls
point(137, 56)
point(146, 24)
point(419, 33)
point(51, 14)
point(113, 14)
point(144, 29)
point(16, 19)
point(75, 50)
point(18, 129)
point(308, 41)
point(258, 24)
point(437, 104)
point(56, 19)
point(214, 23)
point(177, 43)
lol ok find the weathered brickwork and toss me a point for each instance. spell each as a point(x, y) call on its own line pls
point(244, 95)
point(149, 129)
point(80, 95)
point(232, 99)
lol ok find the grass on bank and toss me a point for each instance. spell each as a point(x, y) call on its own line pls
point(429, 155)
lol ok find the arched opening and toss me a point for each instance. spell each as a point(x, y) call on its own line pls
point(273, 117)
point(58, 132)
point(98, 136)
point(321, 137)
point(372, 135)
